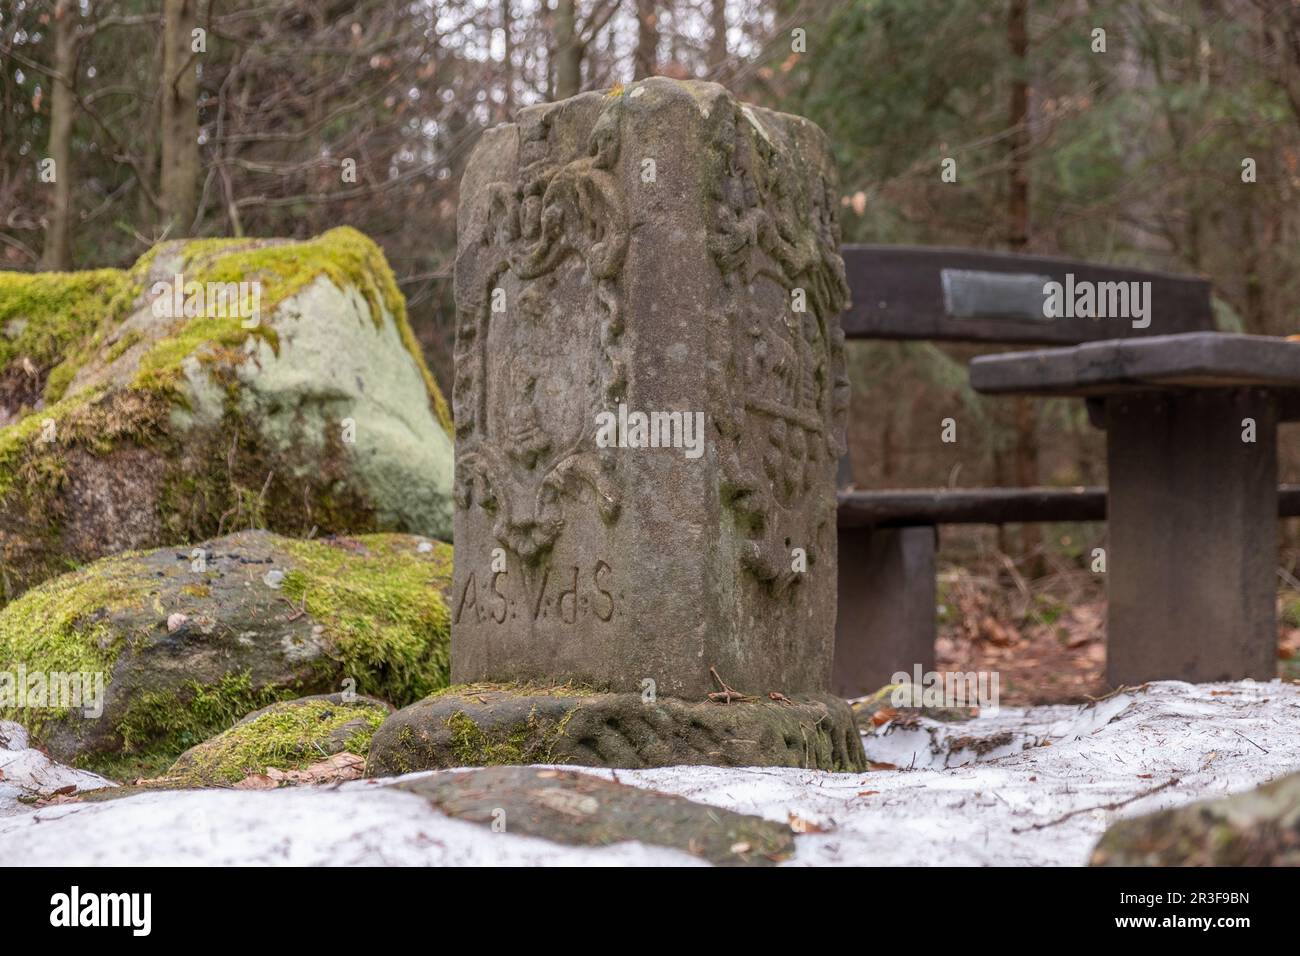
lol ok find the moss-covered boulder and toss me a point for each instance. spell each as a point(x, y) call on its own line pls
point(289, 735)
point(1258, 828)
point(169, 403)
point(498, 724)
point(190, 640)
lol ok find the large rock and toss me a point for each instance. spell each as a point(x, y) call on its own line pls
point(497, 725)
point(126, 423)
point(188, 641)
point(664, 251)
point(1257, 828)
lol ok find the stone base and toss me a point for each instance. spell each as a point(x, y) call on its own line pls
point(477, 725)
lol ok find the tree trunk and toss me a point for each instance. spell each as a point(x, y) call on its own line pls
point(718, 40)
point(1018, 141)
point(1025, 452)
point(568, 50)
point(181, 168)
point(507, 62)
point(57, 254)
point(647, 40)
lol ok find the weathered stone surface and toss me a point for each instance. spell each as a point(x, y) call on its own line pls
point(488, 724)
point(125, 425)
point(658, 249)
point(1257, 828)
point(288, 735)
point(190, 640)
point(581, 810)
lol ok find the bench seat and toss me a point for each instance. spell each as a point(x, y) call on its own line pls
point(887, 544)
point(902, 508)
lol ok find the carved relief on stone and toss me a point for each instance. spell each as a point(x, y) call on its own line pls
point(557, 234)
point(781, 403)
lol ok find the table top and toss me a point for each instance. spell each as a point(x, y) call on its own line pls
point(1192, 360)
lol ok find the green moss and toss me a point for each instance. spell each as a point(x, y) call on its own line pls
point(1291, 612)
point(60, 626)
point(530, 742)
point(289, 737)
point(44, 315)
point(344, 256)
point(91, 419)
point(161, 725)
point(60, 320)
point(386, 615)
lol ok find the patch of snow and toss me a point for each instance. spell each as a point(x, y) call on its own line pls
point(372, 826)
point(1031, 803)
point(1037, 797)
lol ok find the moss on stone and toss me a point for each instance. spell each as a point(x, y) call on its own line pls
point(387, 615)
point(93, 419)
point(161, 725)
point(287, 737)
point(61, 626)
point(344, 256)
point(236, 438)
point(44, 315)
point(532, 740)
point(375, 613)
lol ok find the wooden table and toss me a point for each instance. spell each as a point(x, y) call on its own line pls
point(1191, 425)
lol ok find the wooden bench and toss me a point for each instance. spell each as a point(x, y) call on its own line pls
point(887, 539)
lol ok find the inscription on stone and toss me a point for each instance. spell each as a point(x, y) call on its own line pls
point(565, 594)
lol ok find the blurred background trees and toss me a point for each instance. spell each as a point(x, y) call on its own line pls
point(1113, 130)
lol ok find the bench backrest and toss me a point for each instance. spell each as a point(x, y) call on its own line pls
point(962, 295)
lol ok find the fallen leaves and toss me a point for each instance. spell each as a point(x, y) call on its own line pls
point(336, 769)
point(883, 716)
point(802, 825)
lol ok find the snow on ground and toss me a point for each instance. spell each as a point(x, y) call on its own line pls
point(1033, 793)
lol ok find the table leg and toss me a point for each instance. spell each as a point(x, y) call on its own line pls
point(885, 619)
point(1192, 524)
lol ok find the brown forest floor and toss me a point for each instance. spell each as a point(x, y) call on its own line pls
point(1046, 636)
